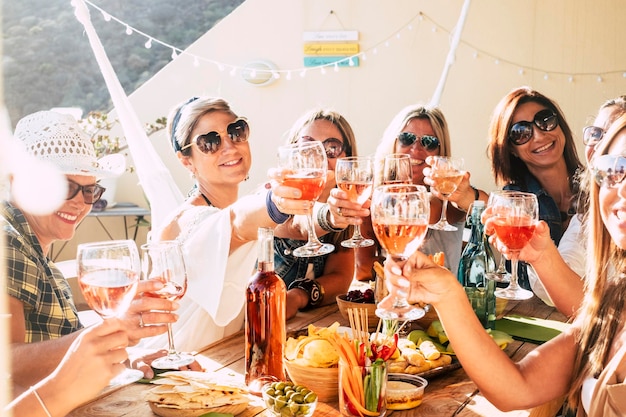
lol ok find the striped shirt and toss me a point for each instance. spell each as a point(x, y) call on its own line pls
point(33, 279)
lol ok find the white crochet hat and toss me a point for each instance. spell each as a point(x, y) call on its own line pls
point(58, 138)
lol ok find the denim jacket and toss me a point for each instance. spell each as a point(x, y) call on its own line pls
point(290, 267)
point(548, 212)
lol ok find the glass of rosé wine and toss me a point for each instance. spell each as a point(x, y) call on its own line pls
point(400, 215)
point(515, 216)
point(165, 261)
point(108, 273)
point(397, 169)
point(304, 166)
point(355, 176)
point(447, 174)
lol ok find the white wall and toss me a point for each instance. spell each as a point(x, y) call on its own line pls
point(402, 66)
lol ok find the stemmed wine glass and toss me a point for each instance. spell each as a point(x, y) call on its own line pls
point(501, 274)
point(447, 174)
point(400, 215)
point(355, 176)
point(108, 273)
point(165, 261)
point(397, 169)
point(304, 166)
point(516, 215)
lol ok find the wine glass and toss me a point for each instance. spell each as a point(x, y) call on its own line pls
point(108, 273)
point(400, 215)
point(165, 261)
point(447, 174)
point(501, 274)
point(397, 169)
point(355, 176)
point(304, 167)
point(516, 215)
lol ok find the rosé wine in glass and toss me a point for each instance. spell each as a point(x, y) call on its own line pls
point(446, 175)
point(355, 176)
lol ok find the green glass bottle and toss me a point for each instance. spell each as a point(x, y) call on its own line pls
point(477, 262)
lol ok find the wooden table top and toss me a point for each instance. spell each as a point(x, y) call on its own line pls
point(451, 394)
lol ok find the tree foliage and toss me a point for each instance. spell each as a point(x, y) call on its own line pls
point(47, 60)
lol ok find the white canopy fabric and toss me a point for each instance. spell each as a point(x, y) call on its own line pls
point(155, 179)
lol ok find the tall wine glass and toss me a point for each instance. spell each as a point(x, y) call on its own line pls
point(355, 175)
point(516, 215)
point(304, 167)
point(108, 273)
point(447, 174)
point(400, 216)
point(397, 169)
point(164, 261)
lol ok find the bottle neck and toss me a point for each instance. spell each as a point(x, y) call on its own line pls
point(266, 250)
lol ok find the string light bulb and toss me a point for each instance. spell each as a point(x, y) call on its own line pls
point(148, 43)
point(174, 53)
point(129, 31)
point(106, 16)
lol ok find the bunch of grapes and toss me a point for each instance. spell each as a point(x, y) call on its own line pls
point(358, 296)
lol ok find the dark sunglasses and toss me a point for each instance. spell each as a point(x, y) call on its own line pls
point(91, 192)
point(609, 170)
point(238, 131)
point(333, 146)
point(592, 135)
point(428, 142)
point(522, 132)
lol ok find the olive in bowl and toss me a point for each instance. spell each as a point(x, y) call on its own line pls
point(286, 399)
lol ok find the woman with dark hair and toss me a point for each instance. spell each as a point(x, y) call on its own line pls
point(532, 149)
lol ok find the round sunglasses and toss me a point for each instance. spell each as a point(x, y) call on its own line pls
point(238, 131)
point(428, 142)
point(592, 135)
point(91, 193)
point(609, 170)
point(333, 146)
point(522, 132)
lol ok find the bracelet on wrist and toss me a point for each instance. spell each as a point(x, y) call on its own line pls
point(476, 193)
point(322, 220)
point(275, 214)
point(43, 405)
point(313, 288)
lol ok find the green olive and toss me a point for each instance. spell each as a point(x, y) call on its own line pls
point(310, 397)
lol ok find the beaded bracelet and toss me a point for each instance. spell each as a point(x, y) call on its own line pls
point(322, 220)
point(43, 405)
point(275, 214)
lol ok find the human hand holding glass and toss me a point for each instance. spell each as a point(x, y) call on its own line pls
point(400, 215)
point(515, 216)
point(355, 176)
point(304, 167)
point(108, 273)
point(446, 174)
point(165, 261)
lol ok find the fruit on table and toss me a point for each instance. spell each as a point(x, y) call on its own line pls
point(358, 296)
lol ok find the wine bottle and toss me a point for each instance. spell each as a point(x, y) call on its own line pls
point(265, 319)
point(477, 262)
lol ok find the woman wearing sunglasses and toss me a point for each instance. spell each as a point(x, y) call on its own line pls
point(557, 274)
point(217, 227)
point(532, 149)
point(587, 362)
point(43, 318)
point(329, 275)
point(422, 131)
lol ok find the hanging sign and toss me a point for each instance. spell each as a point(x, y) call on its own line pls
point(331, 48)
point(329, 36)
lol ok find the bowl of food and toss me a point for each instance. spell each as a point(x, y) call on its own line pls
point(323, 381)
point(358, 299)
point(404, 391)
point(286, 399)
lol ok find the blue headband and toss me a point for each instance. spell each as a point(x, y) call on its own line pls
point(175, 143)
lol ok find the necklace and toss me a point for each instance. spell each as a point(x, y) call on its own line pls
point(208, 202)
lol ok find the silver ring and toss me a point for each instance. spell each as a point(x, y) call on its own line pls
point(141, 319)
point(339, 211)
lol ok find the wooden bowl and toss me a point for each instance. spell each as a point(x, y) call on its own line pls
point(344, 305)
point(322, 381)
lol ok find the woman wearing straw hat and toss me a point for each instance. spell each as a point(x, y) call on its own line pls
point(43, 317)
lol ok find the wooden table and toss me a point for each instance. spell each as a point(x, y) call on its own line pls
point(451, 394)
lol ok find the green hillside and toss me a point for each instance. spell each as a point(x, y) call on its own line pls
point(47, 60)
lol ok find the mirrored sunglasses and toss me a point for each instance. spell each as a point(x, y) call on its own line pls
point(333, 146)
point(522, 132)
point(238, 131)
point(592, 135)
point(428, 142)
point(609, 170)
point(91, 192)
